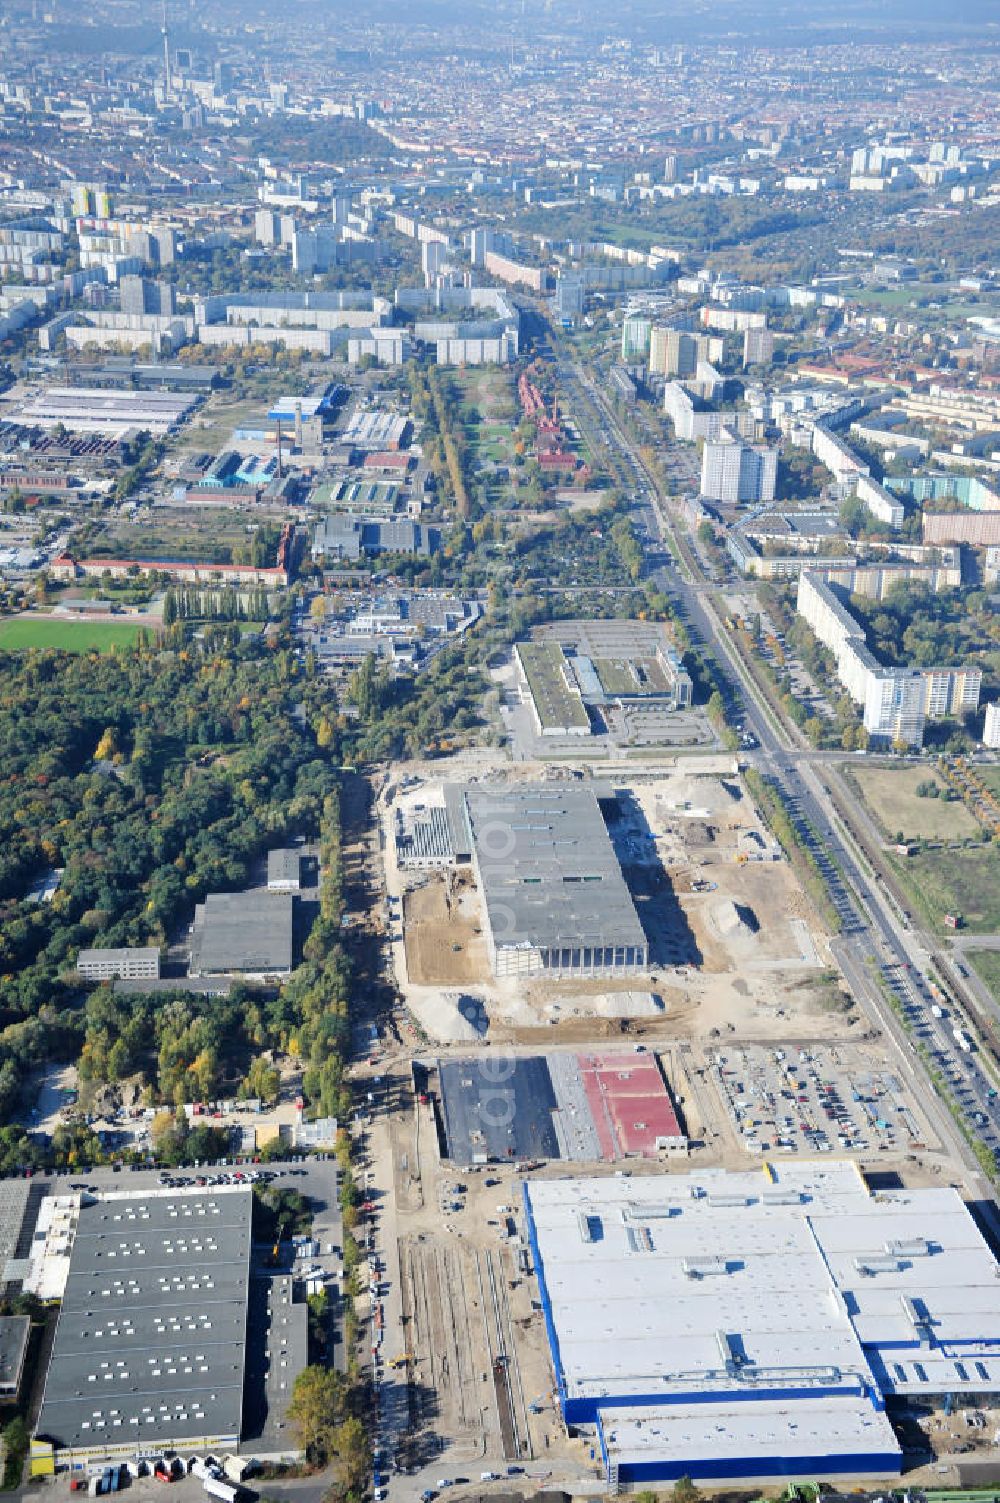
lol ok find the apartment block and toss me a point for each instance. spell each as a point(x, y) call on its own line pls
point(732, 471)
point(896, 701)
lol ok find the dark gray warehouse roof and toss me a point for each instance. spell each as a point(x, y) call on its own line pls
point(247, 933)
point(547, 870)
point(150, 1345)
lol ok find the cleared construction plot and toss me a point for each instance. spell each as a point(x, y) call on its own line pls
point(444, 944)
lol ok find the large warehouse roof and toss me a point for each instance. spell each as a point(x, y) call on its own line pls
point(788, 1286)
point(585, 1107)
point(805, 1437)
point(95, 409)
point(249, 933)
point(150, 1345)
point(547, 869)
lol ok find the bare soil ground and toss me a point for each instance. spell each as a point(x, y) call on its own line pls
point(442, 945)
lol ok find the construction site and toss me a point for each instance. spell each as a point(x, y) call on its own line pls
point(737, 1048)
point(731, 940)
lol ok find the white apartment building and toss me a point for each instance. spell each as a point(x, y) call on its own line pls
point(991, 728)
point(732, 471)
point(894, 706)
point(883, 506)
point(839, 458)
point(689, 422)
point(968, 409)
point(896, 701)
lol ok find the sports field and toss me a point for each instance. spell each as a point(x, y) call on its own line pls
point(19, 633)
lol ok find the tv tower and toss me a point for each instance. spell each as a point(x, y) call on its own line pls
point(166, 54)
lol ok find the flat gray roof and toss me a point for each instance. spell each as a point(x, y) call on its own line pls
point(19, 1201)
point(129, 953)
point(244, 932)
point(284, 864)
point(547, 870)
point(14, 1333)
point(150, 1345)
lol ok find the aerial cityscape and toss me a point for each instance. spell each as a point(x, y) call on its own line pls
point(500, 751)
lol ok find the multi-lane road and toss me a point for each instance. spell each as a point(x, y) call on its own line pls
point(886, 961)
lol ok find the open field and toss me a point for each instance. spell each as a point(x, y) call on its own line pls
point(212, 427)
point(986, 964)
point(19, 633)
point(175, 534)
point(491, 391)
point(942, 881)
point(890, 793)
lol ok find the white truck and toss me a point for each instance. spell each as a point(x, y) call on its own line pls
point(216, 1488)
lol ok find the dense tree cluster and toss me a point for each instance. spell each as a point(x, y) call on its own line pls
point(187, 603)
point(148, 778)
point(913, 625)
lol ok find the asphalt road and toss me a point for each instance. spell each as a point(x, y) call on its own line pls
point(879, 956)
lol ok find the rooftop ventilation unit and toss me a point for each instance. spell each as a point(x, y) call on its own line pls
point(876, 1264)
point(701, 1268)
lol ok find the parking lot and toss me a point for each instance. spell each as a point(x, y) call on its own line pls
point(814, 1099)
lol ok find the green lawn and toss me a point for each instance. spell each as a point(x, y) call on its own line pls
point(954, 880)
point(986, 964)
point(18, 633)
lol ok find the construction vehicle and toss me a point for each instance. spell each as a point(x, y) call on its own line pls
point(275, 1258)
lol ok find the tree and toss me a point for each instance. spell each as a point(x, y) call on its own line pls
point(107, 746)
point(15, 1449)
point(316, 1410)
point(349, 1444)
point(262, 1082)
point(685, 1491)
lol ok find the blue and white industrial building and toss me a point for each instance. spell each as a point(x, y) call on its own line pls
point(748, 1325)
